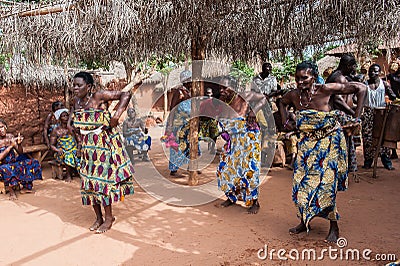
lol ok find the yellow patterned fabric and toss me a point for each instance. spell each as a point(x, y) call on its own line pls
point(69, 147)
point(320, 169)
point(106, 171)
point(239, 168)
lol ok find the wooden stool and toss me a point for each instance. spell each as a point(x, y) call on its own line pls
point(56, 170)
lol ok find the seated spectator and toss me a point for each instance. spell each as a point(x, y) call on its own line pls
point(51, 122)
point(66, 144)
point(136, 135)
point(16, 168)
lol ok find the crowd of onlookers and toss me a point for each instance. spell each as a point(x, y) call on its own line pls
point(18, 171)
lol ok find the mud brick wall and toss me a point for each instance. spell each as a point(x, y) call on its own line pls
point(25, 110)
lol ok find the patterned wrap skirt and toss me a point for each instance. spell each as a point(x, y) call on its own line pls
point(106, 171)
point(239, 168)
point(16, 170)
point(320, 169)
point(69, 147)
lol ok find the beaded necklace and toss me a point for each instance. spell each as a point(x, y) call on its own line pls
point(231, 100)
point(79, 101)
point(310, 94)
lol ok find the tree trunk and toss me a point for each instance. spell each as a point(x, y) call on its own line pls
point(129, 71)
point(198, 53)
point(165, 81)
point(66, 88)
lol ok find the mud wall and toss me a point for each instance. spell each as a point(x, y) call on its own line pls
point(25, 110)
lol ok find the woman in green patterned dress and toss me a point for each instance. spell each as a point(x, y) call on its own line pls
point(106, 171)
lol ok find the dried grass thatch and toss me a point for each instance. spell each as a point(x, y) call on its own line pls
point(130, 31)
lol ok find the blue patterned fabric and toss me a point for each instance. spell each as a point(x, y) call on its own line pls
point(320, 169)
point(239, 168)
point(16, 170)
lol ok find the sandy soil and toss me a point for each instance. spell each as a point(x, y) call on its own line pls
point(50, 227)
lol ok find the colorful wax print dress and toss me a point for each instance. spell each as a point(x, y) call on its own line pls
point(69, 147)
point(139, 140)
point(239, 168)
point(320, 169)
point(181, 130)
point(209, 111)
point(106, 171)
point(16, 170)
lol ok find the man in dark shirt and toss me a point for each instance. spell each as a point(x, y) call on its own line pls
point(394, 79)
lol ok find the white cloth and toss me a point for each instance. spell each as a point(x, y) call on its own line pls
point(96, 131)
point(376, 98)
point(58, 113)
point(265, 86)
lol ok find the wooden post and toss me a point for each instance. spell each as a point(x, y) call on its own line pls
point(66, 88)
point(198, 54)
point(165, 83)
point(378, 145)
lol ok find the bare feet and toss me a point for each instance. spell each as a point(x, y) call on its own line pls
point(298, 229)
point(227, 203)
point(254, 208)
point(333, 234)
point(105, 226)
point(68, 179)
point(13, 196)
point(96, 225)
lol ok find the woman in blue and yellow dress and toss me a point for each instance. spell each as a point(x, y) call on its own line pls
point(239, 168)
point(64, 142)
point(106, 171)
point(178, 128)
point(16, 169)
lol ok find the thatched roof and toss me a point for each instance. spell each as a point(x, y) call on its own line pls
point(343, 49)
point(327, 61)
point(70, 31)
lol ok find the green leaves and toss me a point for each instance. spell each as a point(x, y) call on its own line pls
point(242, 72)
point(287, 69)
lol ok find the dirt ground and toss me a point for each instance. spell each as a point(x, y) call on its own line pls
point(50, 227)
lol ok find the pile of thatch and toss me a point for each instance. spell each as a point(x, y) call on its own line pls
point(69, 31)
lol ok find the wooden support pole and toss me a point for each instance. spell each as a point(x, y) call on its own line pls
point(380, 140)
point(198, 54)
point(46, 10)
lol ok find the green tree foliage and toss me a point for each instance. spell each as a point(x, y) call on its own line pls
point(163, 64)
point(287, 69)
point(242, 72)
point(94, 63)
point(4, 61)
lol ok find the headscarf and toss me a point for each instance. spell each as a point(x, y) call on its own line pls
point(58, 113)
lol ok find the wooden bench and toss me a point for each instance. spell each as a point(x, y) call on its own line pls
point(37, 151)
